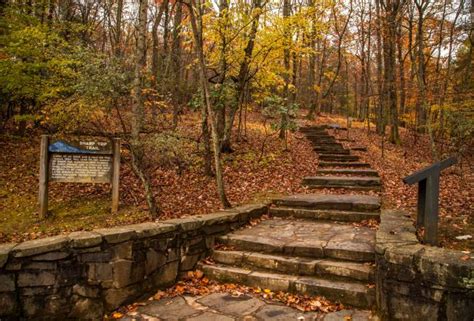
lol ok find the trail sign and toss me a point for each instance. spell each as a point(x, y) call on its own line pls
point(79, 160)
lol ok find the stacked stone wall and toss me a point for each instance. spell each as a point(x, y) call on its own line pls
point(86, 274)
point(420, 282)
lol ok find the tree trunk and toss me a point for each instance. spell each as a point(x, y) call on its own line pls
point(380, 124)
point(155, 54)
point(392, 9)
point(136, 145)
point(198, 47)
point(241, 78)
point(176, 62)
point(286, 63)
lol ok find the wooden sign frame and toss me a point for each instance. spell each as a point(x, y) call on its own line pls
point(45, 175)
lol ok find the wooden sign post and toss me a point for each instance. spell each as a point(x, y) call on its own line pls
point(79, 161)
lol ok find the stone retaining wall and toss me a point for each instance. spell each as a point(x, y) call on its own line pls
point(84, 274)
point(419, 282)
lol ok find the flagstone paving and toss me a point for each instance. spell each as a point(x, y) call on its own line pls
point(314, 239)
point(227, 307)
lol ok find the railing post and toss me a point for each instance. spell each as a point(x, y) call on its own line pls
point(432, 207)
point(420, 218)
point(428, 197)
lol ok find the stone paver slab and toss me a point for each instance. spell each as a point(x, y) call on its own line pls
point(337, 202)
point(169, 309)
point(306, 238)
point(233, 305)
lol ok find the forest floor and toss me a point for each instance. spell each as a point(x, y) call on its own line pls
point(259, 169)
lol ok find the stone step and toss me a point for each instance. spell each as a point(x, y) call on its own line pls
point(318, 135)
point(359, 148)
point(343, 164)
point(332, 151)
point(339, 158)
point(353, 293)
point(336, 270)
point(328, 215)
point(348, 171)
point(321, 139)
point(355, 203)
point(350, 182)
point(313, 128)
point(328, 240)
point(328, 145)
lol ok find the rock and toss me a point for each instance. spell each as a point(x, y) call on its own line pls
point(56, 306)
point(218, 218)
point(102, 256)
point(408, 308)
point(115, 297)
point(283, 313)
point(235, 305)
point(150, 229)
point(32, 306)
point(166, 275)
point(7, 282)
point(187, 223)
point(87, 309)
point(35, 247)
point(116, 234)
point(460, 307)
point(339, 316)
point(5, 250)
point(8, 305)
point(52, 256)
point(99, 273)
point(122, 270)
point(84, 239)
point(153, 261)
point(40, 266)
point(210, 316)
point(85, 291)
point(169, 309)
point(188, 262)
point(42, 278)
point(122, 251)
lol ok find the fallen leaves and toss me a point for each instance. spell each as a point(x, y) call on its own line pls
point(196, 284)
point(248, 179)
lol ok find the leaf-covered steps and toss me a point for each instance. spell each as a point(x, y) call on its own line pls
point(346, 208)
point(356, 294)
point(332, 164)
point(348, 182)
point(332, 150)
point(338, 158)
point(347, 171)
point(306, 257)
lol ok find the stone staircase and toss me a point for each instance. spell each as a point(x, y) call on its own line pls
point(354, 174)
point(312, 244)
